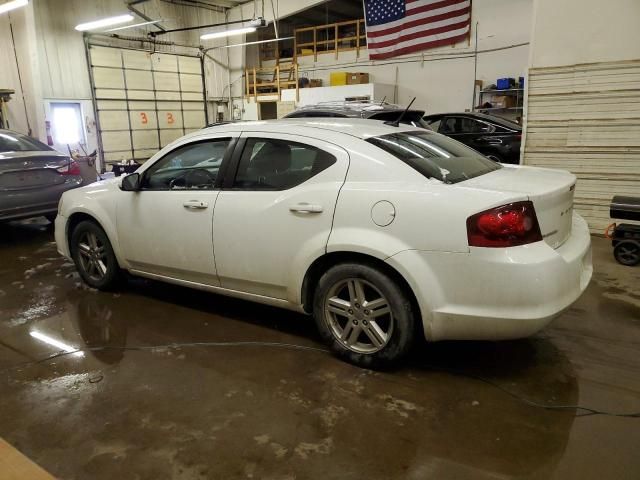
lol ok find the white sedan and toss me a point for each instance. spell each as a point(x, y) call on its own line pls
point(384, 233)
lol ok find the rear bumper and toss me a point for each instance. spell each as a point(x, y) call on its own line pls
point(16, 204)
point(495, 294)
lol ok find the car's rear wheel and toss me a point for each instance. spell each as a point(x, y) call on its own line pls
point(93, 255)
point(364, 315)
point(627, 253)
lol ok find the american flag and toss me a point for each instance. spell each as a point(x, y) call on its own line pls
point(397, 27)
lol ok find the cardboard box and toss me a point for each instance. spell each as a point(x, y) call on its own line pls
point(357, 78)
point(315, 82)
point(15, 466)
point(503, 101)
point(338, 78)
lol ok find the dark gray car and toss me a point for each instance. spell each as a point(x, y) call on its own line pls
point(33, 177)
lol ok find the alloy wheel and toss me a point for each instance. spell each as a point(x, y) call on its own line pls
point(93, 256)
point(359, 316)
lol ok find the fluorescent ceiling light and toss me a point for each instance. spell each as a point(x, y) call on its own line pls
point(135, 25)
point(255, 43)
point(105, 22)
point(227, 33)
point(56, 343)
point(6, 7)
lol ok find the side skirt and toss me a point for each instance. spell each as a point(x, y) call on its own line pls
point(275, 302)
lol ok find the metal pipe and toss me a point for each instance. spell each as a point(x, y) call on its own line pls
point(94, 104)
point(131, 8)
point(143, 39)
point(249, 43)
point(275, 20)
point(199, 27)
point(475, 70)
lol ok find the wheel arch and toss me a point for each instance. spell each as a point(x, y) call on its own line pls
point(321, 264)
point(79, 216)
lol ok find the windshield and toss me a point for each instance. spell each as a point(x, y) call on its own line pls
point(16, 142)
point(435, 156)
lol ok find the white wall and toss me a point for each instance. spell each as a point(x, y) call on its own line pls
point(444, 81)
point(52, 59)
point(571, 32)
point(23, 107)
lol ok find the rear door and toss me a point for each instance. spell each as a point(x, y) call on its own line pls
point(275, 211)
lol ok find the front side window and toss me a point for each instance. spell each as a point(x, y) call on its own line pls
point(274, 164)
point(190, 167)
point(16, 142)
point(435, 156)
point(434, 123)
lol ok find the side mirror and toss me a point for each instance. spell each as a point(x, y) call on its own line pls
point(131, 183)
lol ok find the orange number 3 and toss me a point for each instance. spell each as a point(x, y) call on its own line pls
point(143, 118)
point(170, 118)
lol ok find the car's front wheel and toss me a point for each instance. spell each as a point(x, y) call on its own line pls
point(93, 255)
point(364, 315)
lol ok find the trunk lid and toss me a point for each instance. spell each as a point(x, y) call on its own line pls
point(25, 170)
point(551, 192)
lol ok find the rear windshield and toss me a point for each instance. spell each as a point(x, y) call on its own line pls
point(16, 142)
point(435, 156)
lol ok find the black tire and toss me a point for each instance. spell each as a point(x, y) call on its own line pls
point(94, 277)
point(627, 253)
point(397, 339)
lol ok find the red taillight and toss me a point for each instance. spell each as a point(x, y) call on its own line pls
point(71, 168)
point(506, 226)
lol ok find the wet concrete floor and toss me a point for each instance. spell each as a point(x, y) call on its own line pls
point(268, 412)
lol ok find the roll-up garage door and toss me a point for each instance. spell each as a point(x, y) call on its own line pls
point(145, 100)
point(586, 119)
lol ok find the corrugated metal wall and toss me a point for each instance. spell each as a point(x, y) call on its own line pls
point(586, 119)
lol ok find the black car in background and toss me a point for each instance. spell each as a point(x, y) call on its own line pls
point(383, 111)
point(494, 137)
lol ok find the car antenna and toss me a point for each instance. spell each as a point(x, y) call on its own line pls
point(383, 99)
point(396, 123)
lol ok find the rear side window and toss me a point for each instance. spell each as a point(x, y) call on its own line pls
point(435, 156)
point(434, 123)
point(16, 142)
point(273, 164)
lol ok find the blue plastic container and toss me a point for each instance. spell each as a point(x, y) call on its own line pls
point(505, 83)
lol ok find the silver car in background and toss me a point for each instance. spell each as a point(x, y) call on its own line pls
point(33, 177)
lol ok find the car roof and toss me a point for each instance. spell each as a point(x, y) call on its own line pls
point(354, 109)
point(356, 127)
point(480, 116)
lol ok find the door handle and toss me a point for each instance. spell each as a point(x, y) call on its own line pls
point(305, 208)
point(195, 204)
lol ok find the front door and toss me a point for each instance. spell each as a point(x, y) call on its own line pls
point(166, 227)
point(276, 211)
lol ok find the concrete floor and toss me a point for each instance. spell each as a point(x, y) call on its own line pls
point(277, 413)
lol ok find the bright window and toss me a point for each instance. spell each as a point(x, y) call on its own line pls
point(67, 124)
